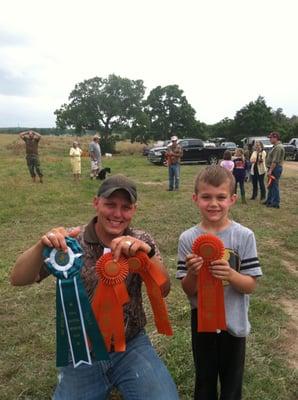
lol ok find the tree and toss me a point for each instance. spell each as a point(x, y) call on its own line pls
point(170, 113)
point(102, 105)
point(254, 119)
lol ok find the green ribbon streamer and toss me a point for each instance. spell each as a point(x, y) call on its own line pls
point(74, 316)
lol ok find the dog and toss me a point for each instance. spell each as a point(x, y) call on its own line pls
point(103, 173)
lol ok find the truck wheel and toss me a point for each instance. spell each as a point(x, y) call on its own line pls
point(213, 159)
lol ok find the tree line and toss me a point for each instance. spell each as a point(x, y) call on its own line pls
point(117, 104)
point(118, 109)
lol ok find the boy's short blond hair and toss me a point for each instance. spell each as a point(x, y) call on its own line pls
point(215, 175)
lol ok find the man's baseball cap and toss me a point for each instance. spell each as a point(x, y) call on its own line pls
point(118, 182)
point(174, 138)
point(96, 137)
point(274, 135)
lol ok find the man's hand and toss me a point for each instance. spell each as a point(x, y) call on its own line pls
point(56, 237)
point(128, 246)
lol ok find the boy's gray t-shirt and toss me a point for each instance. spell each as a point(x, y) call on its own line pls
point(241, 252)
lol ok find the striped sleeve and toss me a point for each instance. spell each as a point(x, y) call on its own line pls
point(250, 264)
point(184, 248)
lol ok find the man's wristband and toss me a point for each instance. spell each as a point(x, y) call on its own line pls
point(151, 252)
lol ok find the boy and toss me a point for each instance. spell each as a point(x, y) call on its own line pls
point(220, 354)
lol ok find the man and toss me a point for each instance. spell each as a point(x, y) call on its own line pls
point(274, 163)
point(95, 156)
point(137, 372)
point(173, 156)
point(31, 140)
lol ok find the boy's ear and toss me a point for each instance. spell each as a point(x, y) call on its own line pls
point(194, 197)
point(233, 199)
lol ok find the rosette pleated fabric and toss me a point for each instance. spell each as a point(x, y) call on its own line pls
point(76, 329)
point(153, 279)
point(211, 306)
point(108, 300)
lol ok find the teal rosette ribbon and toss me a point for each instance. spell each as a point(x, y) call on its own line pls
point(75, 322)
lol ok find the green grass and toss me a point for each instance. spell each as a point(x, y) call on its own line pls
point(27, 314)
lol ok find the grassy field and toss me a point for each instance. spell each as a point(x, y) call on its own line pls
point(27, 314)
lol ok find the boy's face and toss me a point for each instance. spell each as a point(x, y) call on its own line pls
point(214, 203)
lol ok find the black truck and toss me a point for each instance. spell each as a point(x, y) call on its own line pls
point(194, 151)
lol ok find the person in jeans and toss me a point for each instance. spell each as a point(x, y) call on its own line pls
point(239, 172)
point(258, 170)
point(173, 156)
point(138, 372)
point(274, 163)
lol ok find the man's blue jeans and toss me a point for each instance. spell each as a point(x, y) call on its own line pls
point(138, 373)
point(273, 197)
point(174, 176)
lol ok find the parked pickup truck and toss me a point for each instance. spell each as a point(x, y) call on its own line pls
point(194, 151)
point(291, 149)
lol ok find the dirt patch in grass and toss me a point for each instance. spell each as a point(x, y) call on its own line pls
point(289, 335)
point(291, 165)
point(290, 267)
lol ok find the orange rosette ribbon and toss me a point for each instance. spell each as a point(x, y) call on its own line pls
point(153, 279)
point(109, 297)
point(211, 306)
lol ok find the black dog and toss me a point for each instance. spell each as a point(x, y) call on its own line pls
point(102, 173)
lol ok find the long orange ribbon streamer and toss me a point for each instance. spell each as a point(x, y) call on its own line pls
point(153, 279)
point(211, 306)
point(109, 298)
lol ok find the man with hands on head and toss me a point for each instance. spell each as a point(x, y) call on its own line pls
point(31, 139)
point(137, 372)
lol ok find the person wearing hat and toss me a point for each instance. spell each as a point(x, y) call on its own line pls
point(95, 156)
point(137, 372)
point(173, 156)
point(274, 163)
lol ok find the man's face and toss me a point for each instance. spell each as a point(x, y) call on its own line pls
point(31, 134)
point(273, 140)
point(114, 213)
point(214, 202)
point(174, 143)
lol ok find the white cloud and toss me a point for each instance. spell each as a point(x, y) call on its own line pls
point(223, 54)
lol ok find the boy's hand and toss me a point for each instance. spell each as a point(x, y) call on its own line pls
point(193, 264)
point(221, 269)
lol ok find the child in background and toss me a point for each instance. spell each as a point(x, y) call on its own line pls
point(239, 172)
point(227, 161)
point(220, 355)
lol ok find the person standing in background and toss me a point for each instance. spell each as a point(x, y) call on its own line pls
point(95, 156)
point(227, 161)
point(274, 163)
point(258, 170)
point(75, 160)
point(31, 140)
point(173, 156)
point(239, 172)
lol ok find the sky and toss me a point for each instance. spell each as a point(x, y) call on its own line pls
point(223, 54)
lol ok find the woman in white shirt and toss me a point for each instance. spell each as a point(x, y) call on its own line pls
point(258, 170)
point(75, 160)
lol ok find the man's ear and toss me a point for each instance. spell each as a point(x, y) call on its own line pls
point(95, 201)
